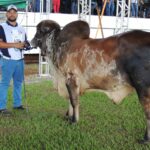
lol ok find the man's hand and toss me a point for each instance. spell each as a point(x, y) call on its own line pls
point(19, 45)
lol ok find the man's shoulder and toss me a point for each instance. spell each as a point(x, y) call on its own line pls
point(2, 34)
point(2, 25)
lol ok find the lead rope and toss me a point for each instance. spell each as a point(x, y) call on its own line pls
point(24, 85)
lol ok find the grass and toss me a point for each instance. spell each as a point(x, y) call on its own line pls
point(102, 125)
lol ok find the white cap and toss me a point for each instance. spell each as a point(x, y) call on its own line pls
point(11, 7)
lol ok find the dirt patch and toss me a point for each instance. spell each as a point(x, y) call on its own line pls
point(31, 69)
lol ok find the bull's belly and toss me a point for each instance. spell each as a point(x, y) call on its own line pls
point(115, 87)
point(118, 94)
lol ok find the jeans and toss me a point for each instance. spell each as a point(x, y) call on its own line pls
point(134, 9)
point(74, 8)
point(11, 69)
point(107, 10)
point(110, 7)
point(56, 6)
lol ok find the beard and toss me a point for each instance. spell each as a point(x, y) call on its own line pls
point(12, 19)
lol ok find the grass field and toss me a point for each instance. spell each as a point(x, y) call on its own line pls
point(102, 126)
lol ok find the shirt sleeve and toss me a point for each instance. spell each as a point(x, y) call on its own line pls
point(2, 34)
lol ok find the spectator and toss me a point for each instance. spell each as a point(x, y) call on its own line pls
point(30, 7)
point(100, 4)
point(134, 8)
point(74, 6)
point(68, 6)
point(62, 6)
point(147, 8)
point(56, 6)
point(110, 7)
point(37, 5)
point(141, 8)
point(93, 7)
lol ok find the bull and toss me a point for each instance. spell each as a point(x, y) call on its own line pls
point(116, 65)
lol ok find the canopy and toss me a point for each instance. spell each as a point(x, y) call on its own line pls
point(18, 3)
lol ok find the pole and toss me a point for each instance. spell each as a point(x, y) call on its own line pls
point(100, 18)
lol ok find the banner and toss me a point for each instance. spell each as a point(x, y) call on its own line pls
point(18, 3)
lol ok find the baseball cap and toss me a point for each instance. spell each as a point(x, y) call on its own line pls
point(11, 7)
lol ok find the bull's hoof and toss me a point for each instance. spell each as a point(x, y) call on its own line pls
point(70, 119)
point(144, 141)
point(73, 119)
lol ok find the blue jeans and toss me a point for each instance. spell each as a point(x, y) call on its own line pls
point(110, 7)
point(11, 69)
point(134, 9)
point(107, 10)
point(74, 7)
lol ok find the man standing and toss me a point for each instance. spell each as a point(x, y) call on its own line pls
point(12, 40)
point(74, 6)
point(134, 8)
point(56, 6)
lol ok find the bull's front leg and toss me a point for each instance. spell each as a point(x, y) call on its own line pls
point(73, 90)
point(69, 113)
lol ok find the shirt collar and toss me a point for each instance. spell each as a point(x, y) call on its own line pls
point(11, 24)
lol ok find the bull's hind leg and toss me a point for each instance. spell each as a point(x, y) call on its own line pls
point(146, 104)
point(137, 67)
point(73, 90)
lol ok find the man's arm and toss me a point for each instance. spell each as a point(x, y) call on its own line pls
point(18, 45)
point(4, 44)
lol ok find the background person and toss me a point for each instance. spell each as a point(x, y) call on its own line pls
point(134, 8)
point(12, 40)
point(56, 6)
point(74, 6)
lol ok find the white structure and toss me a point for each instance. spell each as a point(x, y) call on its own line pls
point(44, 69)
point(122, 16)
point(84, 10)
point(43, 61)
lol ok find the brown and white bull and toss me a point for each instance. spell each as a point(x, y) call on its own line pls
point(116, 65)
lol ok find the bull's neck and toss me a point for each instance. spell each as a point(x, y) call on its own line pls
point(52, 46)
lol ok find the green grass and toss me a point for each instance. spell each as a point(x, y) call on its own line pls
point(102, 126)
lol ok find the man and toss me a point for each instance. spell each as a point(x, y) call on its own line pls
point(12, 41)
point(74, 6)
point(56, 6)
point(134, 8)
